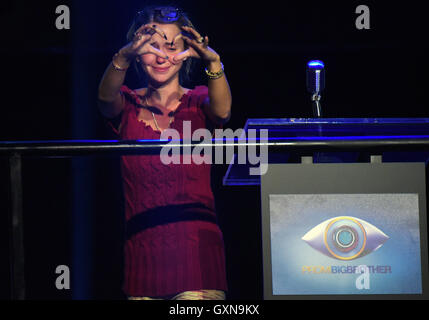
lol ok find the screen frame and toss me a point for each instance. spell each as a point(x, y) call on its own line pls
point(343, 178)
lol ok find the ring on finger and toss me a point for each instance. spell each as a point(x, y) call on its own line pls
point(200, 40)
point(137, 36)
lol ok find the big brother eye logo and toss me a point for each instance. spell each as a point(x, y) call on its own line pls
point(345, 238)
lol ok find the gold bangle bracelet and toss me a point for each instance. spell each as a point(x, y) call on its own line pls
point(115, 66)
point(215, 75)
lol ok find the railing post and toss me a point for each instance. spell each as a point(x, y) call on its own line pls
point(17, 271)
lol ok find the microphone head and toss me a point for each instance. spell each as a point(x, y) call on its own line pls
point(315, 76)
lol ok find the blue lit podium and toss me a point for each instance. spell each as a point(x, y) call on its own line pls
point(343, 206)
point(335, 140)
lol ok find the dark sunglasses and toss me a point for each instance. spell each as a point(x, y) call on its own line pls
point(166, 14)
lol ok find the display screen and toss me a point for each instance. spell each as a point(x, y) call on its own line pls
point(326, 244)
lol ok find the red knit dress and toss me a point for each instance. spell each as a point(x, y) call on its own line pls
point(173, 241)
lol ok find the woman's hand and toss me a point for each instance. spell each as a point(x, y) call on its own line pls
point(141, 43)
point(198, 48)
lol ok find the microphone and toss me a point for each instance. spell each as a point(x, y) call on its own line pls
point(315, 84)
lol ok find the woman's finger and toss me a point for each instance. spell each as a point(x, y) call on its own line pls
point(143, 28)
point(197, 47)
point(192, 42)
point(151, 29)
point(176, 38)
point(206, 42)
point(197, 36)
point(140, 39)
point(159, 31)
point(201, 51)
point(182, 56)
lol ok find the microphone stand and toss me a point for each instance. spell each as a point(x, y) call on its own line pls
point(317, 108)
point(315, 84)
point(317, 113)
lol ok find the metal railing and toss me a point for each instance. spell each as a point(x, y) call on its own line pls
point(16, 150)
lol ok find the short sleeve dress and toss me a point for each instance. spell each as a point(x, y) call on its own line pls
point(173, 242)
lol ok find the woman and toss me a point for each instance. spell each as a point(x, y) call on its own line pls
point(174, 247)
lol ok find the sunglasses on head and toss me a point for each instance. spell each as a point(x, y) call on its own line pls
point(169, 14)
point(166, 14)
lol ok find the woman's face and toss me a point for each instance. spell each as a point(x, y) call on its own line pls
point(159, 69)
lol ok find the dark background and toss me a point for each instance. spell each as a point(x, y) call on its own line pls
point(49, 79)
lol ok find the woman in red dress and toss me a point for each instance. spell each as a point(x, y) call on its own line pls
point(174, 248)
